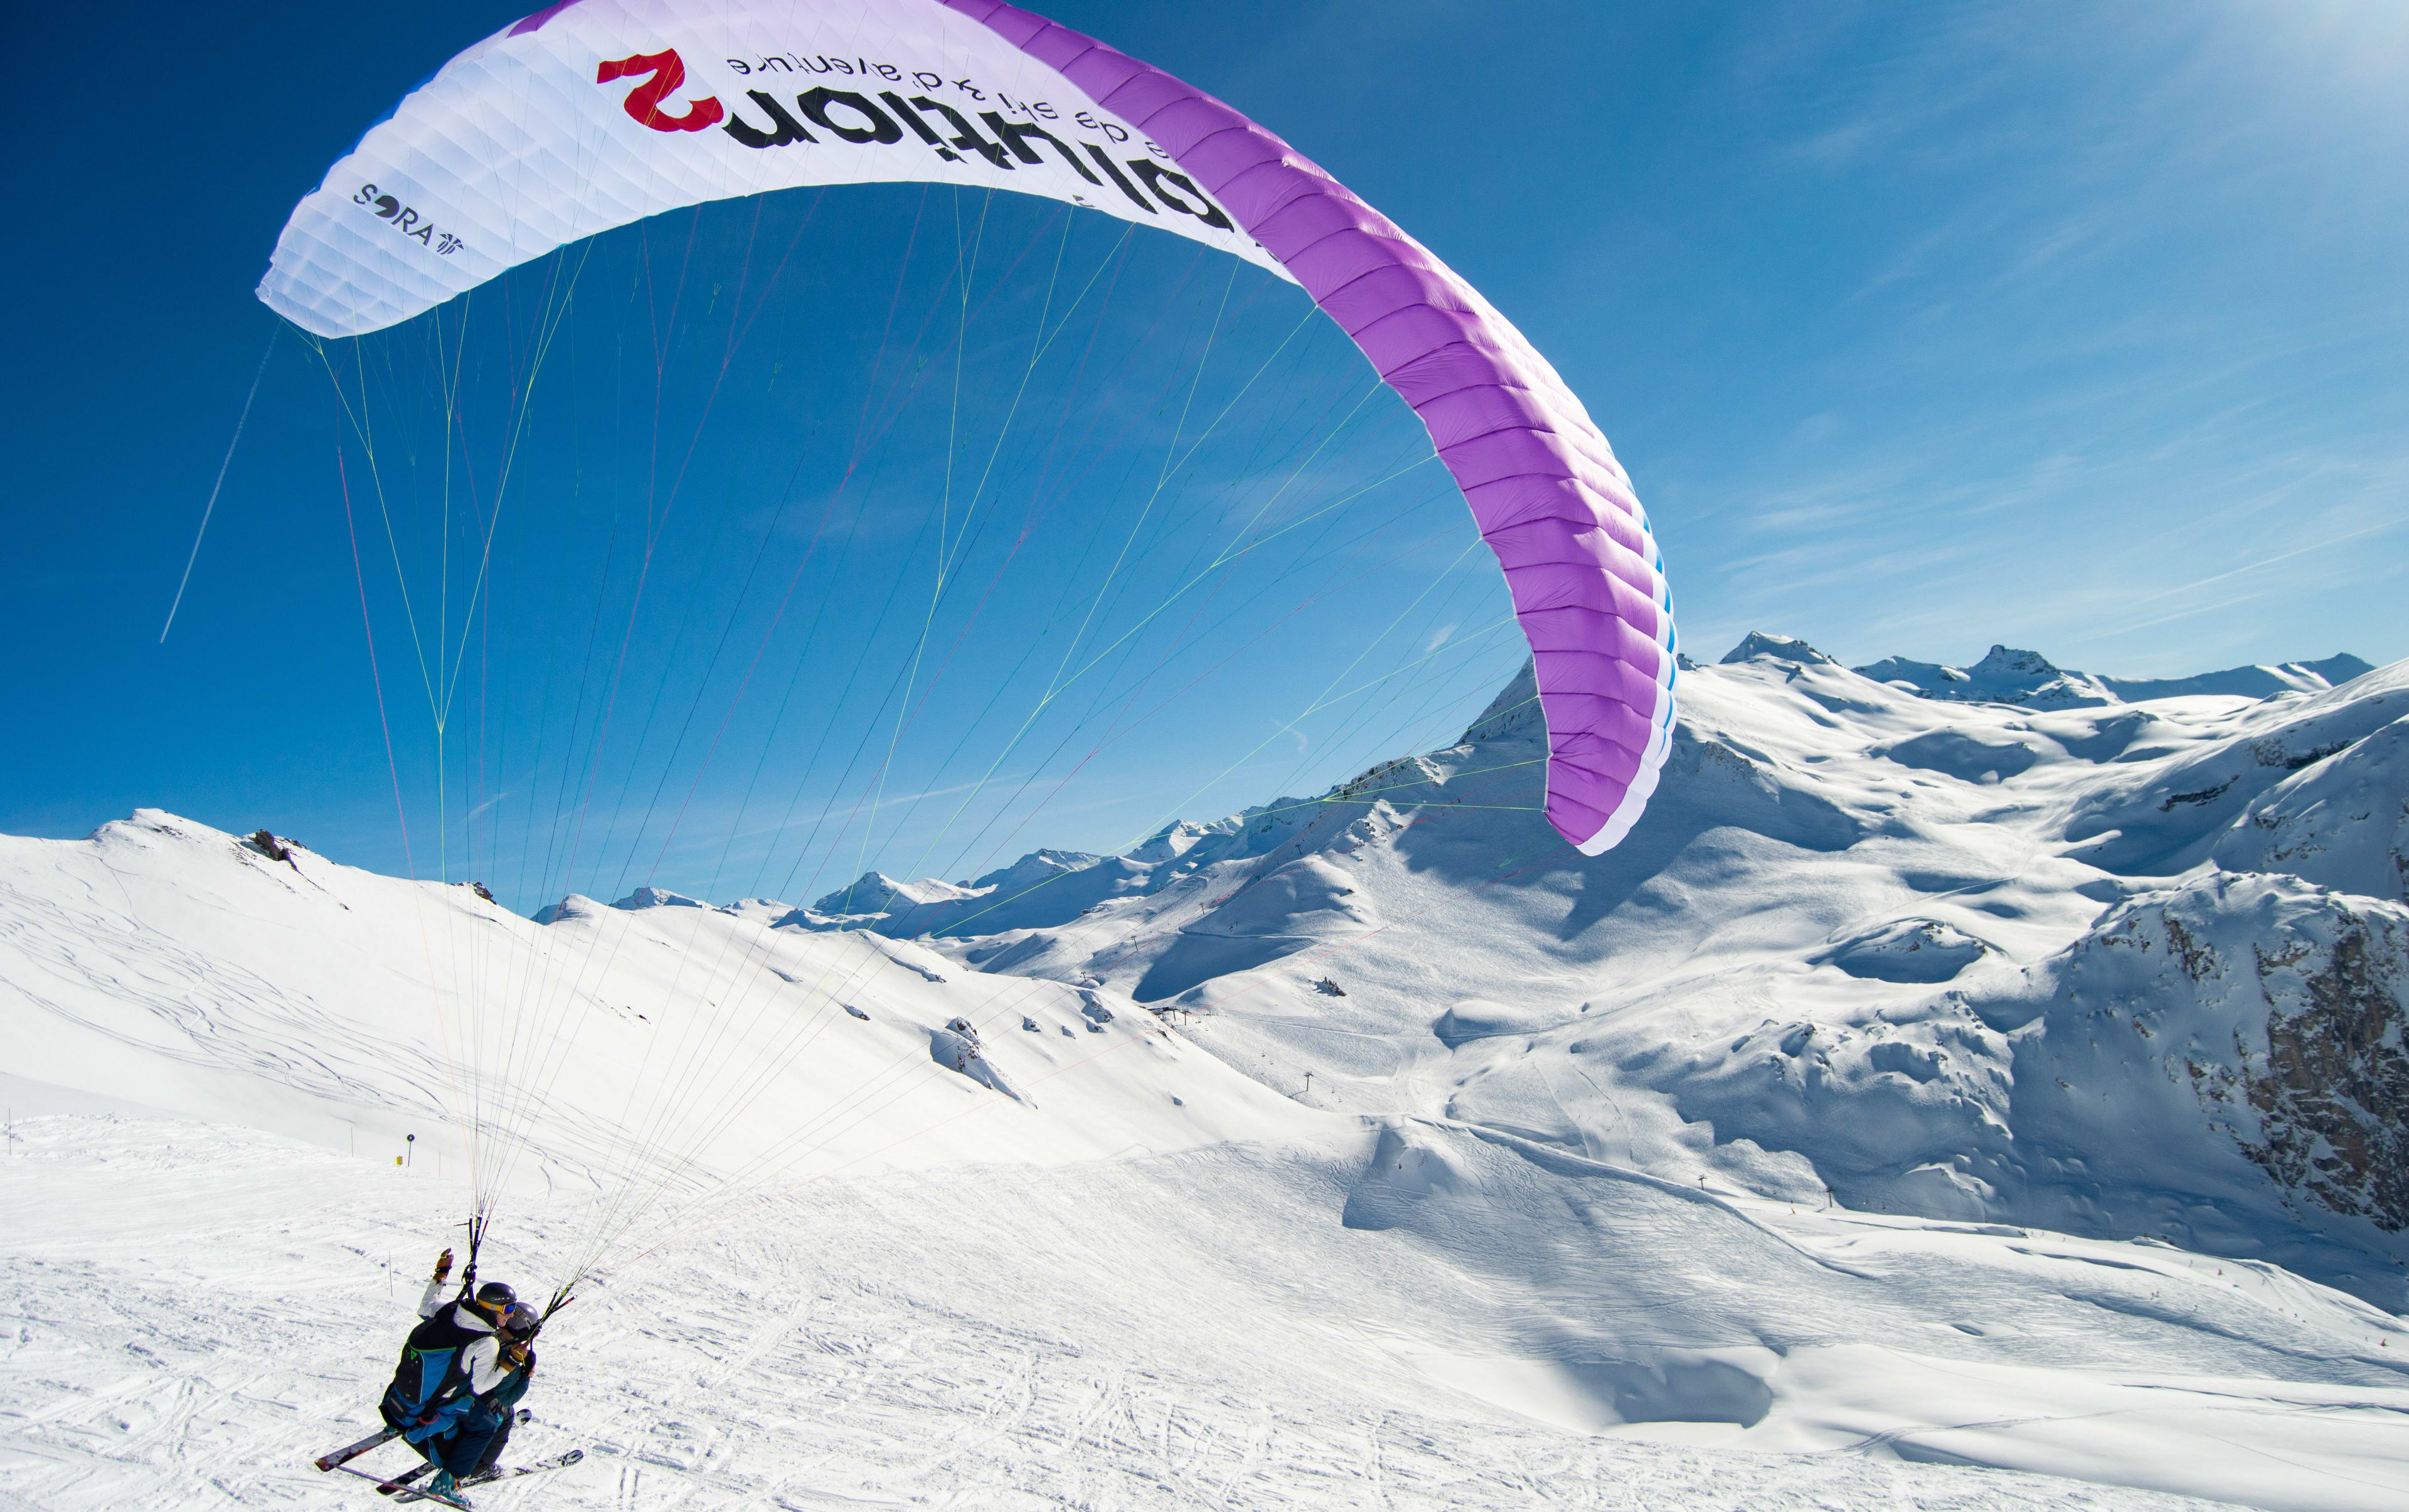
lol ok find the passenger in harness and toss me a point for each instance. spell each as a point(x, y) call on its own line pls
point(476, 1444)
point(450, 1368)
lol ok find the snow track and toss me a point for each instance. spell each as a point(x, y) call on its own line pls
point(2125, 970)
point(1161, 1285)
point(188, 1316)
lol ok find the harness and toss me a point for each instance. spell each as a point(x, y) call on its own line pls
point(430, 1382)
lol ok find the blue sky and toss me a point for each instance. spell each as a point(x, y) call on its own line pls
point(1919, 327)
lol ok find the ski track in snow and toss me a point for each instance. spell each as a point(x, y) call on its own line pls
point(191, 1315)
point(1551, 1227)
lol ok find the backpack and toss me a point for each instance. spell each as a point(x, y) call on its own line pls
point(426, 1379)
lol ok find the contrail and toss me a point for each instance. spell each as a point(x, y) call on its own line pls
point(210, 507)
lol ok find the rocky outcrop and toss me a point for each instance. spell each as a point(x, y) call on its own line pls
point(2027, 678)
point(2255, 1011)
point(2341, 819)
point(2330, 1082)
point(1787, 648)
point(2006, 675)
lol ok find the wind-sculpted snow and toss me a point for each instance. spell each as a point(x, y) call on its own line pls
point(2157, 818)
point(2342, 820)
point(189, 1312)
point(1967, 757)
point(325, 1003)
point(1907, 950)
point(1797, 972)
point(1849, 1113)
point(2218, 1066)
point(2274, 1009)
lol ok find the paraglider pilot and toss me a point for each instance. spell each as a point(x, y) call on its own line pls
point(461, 1375)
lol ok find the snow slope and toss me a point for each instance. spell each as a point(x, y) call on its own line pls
point(331, 1004)
point(1503, 1251)
point(192, 1311)
point(1853, 950)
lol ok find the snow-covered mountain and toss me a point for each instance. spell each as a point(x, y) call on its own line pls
point(2120, 969)
point(1927, 1100)
point(2027, 678)
point(763, 910)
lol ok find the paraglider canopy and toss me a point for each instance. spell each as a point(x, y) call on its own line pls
point(595, 113)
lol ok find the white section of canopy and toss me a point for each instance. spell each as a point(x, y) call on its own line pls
point(516, 148)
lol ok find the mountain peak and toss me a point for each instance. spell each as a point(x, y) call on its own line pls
point(657, 898)
point(875, 892)
point(2008, 675)
point(1516, 707)
point(2004, 675)
point(1787, 648)
point(2006, 661)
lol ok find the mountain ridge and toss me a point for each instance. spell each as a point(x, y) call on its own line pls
point(1850, 1103)
point(1895, 906)
point(2027, 678)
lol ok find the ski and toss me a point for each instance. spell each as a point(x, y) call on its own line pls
point(398, 1482)
point(353, 1451)
point(404, 1492)
point(558, 1461)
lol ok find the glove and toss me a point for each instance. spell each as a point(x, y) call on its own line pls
point(515, 1353)
point(442, 1265)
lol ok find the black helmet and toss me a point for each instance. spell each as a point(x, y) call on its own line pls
point(496, 1298)
point(521, 1319)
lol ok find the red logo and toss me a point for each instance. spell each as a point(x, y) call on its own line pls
point(644, 102)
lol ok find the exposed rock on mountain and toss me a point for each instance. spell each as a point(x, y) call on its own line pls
point(1043, 888)
point(1748, 1136)
point(2274, 777)
point(659, 898)
point(1779, 647)
point(2338, 820)
point(2004, 676)
point(2027, 678)
point(2269, 1009)
point(1917, 951)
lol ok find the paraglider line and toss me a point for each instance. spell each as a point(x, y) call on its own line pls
point(902, 378)
point(376, 678)
point(210, 508)
point(1046, 339)
point(1133, 724)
